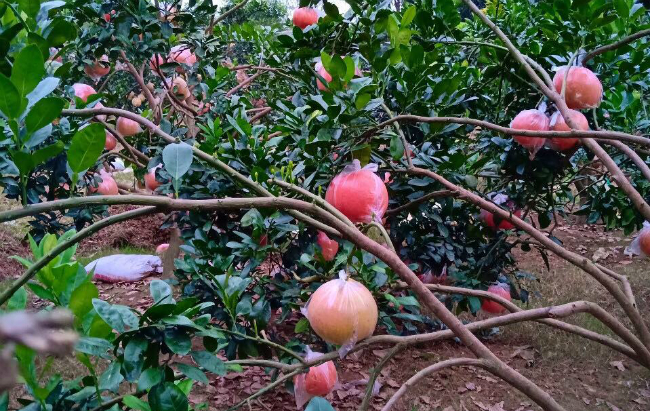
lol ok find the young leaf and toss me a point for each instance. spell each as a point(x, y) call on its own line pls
point(177, 158)
point(192, 372)
point(86, 147)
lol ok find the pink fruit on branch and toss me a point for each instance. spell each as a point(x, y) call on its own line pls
point(98, 69)
point(583, 89)
point(492, 307)
point(83, 91)
point(111, 142)
point(530, 120)
point(128, 127)
point(558, 124)
point(107, 187)
point(304, 17)
point(329, 247)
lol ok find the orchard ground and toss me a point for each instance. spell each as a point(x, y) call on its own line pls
point(585, 375)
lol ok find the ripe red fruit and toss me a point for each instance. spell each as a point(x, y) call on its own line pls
point(583, 89)
point(329, 248)
point(182, 55)
point(358, 193)
point(111, 142)
point(150, 180)
point(83, 91)
point(305, 16)
point(530, 120)
point(156, 61)
point(327, 77)
point(644, 242)
point(490, 220)
point(558, 124)
point(492, 307)
point(321, 379)
point(107, 187)
point(107, 18)
point(128, 127)
point(98, 69)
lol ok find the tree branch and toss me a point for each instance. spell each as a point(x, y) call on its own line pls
point(615, 45)
point(424, 198)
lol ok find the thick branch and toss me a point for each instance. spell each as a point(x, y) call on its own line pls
point(615, 45)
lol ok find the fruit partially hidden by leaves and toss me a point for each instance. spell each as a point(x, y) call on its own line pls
point(182, 54)
point(492, 307)
point(304, 17)
point(107, 187)
point(329, 247)
point(496, 222)
point(583, 89)
point(558, 124)
point(155, 62)
point(83, 91)
point(150, 179)
point(111, 142)
point(98, 69)
point(128, 127)
point(358, 193)
point(530, 120)
point(342, 311)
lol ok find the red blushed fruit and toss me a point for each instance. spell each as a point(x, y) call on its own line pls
point(264, 240)
point(583, 89)
point(360, 195)
point(489, 219)
point(558, 124)
point(321, 379)
point(492, 307)
point(530, 120)
point(329, 247)
point(644, 242)
point(107, 18)
point(305, 16)
point(111, 142)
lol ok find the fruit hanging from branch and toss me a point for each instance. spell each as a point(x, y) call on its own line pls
point(327, 77)
point(359, 193)
point(304, 17)
point(583, 89)
point(107, 187)
point(492, 307)
point(317, 382)
point(497, 223)
point(111, 142)
point(98, 69)
point(329, 247)
point(342, 311)
point(128, 127)
point(531, 120)
point(83, 91)
point(558, 124)
point(150, 181)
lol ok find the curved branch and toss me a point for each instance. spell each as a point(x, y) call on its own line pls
point(220, 165)
point(244, 83)
point(631, 154)
point(615, 45)
point(217, 20)
point(609, 135)
point(453, 362)
point(88, 231)
point(424, 198)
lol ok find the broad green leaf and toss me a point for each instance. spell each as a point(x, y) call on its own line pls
point(178, 341)
point(28, 69)
point(209, 362)
point(18, 300)
point(60, 31)
point(30, 7)
point(167, 397)
point(408, 16)
point(9, 98)
point(23, 161)
point(134, 358)
point(362, 100)
point(86, 147)
point(622, 8)
point(41, 43)
point(396, 147)
point(81, 300)
point(177, 158)
point(136, 403)
point(161, 292)
point(319, 404)
point(97, 347)
point(119, 317)
point(192, 372)
point(43, 113)
point(111, 378)
point(252, 218)
point(149, 378)
point(46, 153)
point(331, 9)
point(45, 87)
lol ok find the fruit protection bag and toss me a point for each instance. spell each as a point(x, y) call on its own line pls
point(641, 244)
point(534, 120)
point(342, 312)
point(359, 193)
point(124, 267)
point(317, 382)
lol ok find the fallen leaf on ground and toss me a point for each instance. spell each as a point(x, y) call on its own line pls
point(618, 365)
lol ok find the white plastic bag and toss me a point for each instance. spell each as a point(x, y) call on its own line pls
point(317, 382)
point(641, 244)
point(125, 267)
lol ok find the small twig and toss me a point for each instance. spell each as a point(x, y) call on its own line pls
point(615, 45)
point(216, 20)
point(244, 83)
point(270, 343)
point(375, 373)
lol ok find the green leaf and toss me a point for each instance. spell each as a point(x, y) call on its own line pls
point(209, 362)
point(60, 31)
point(319, 404)
point(23, 161)
point(177, 158)
point(161, 292)
point(30, 7)
point(86, 147)
point(136, 403)
point(192, 372)
point(622, 9)
point(474, 304)
point(18, 300)
point(134, 358)
point(149, 378)
point(362, 100)
point(81, 300)
point(396, 147)
point(28, 69)
point(167, 397)
point(119, 317)
point(301, 326)
point(111, 378)
point(408, 16)
point(43, 113)
point(178, 341)
point(46, 153)
point(252, 218)
point(9, 98)
point(45, 87)
point(331, 9)
point(97, 347)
